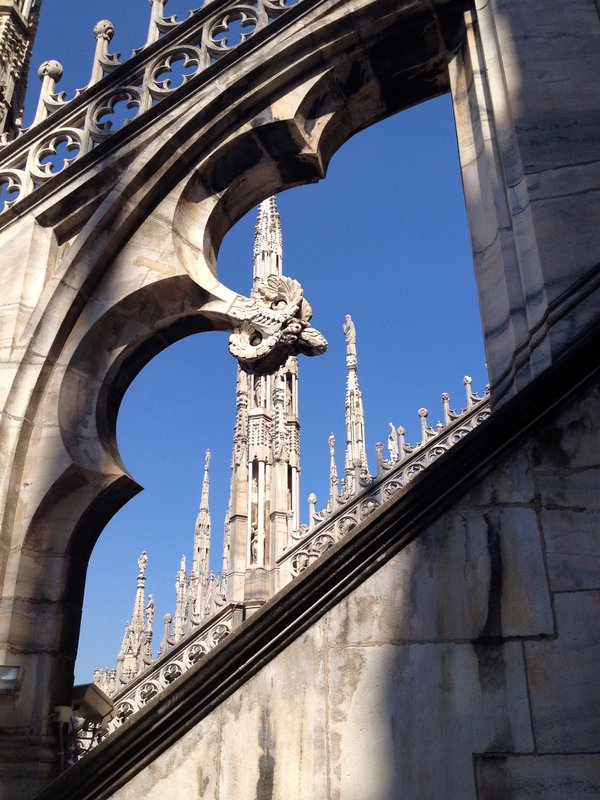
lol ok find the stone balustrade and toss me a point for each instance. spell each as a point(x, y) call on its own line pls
point(406, 461)
point(175, 52)
point(163, 671)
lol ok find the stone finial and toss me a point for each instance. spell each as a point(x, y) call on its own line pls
point(52, 69)
point(446, 407)
point(103, 62)
point(104, 29)
point(425, 430)
point(156, 17)
point(50, 72)
point(467, 380)
point(312, 501)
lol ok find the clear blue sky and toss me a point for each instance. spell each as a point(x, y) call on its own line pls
point(383, 238)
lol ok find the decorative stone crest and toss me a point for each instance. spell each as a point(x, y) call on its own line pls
point(274, 325)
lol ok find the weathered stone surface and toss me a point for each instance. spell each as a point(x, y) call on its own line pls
point(563, 678)
point(566, 459)
point(328, 720)
point(572, 547)
point(513, 483)
point(354, 709)
point(473, 574)
point(548, 49)
point(80, 306)
point(406, 719)
point(534, 777)
point(267, 741)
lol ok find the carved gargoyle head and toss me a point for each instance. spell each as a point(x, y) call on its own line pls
point(277, 326)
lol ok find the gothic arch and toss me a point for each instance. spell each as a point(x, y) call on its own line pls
point(263, 155)
point(145, 243)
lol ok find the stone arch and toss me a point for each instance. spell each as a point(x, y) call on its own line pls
point(195, 171)
point(59, 540)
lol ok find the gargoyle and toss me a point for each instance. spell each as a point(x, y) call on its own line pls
point(274, 324)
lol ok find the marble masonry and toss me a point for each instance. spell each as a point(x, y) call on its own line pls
point(434, 631)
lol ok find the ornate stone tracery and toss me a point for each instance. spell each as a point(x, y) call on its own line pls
point(206, 39)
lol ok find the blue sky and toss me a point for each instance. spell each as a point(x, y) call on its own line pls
point(383, 238)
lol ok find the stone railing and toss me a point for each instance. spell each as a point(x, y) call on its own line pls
point(161, 674)
point(406, 461)
point(174, 53)
point(343, 513)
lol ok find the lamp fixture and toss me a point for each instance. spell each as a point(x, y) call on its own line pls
point(10, 682)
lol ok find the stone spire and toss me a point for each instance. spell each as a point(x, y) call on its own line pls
point(264, 503)
point(356, 454)
point(198, 579)
point(18, 24)
point(181, 600)
point(202, 529)
point(135, 653)
point(199, 591)
point(268, 248)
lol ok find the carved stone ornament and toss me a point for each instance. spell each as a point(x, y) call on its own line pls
point(274, 324)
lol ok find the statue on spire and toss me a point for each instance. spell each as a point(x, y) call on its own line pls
point(350, 334)
point(356, 465)
point(142, 564)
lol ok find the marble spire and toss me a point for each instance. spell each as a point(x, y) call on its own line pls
point(199, 575)
point(268, 246)
point(135, 653)
point(356, 454)
point(200, 564)
point(265, 489)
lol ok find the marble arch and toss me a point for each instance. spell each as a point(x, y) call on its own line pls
point(121, 259)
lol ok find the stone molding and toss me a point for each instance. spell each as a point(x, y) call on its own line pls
point(168, 667)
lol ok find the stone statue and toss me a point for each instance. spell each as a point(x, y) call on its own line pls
point(350, 334)
point(150, 611)
point(254, 544)
point(258, 392)
point(393, 443)
point(142, 563)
